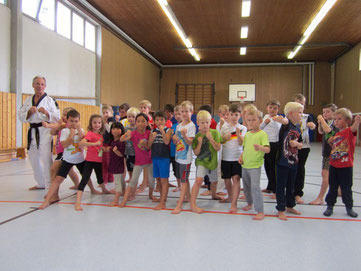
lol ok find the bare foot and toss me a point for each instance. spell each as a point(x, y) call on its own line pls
point(299, 200)
point(160, 206)
point(131, 198)
point(258, 216)
point(74, 187)
point(36, 188)
point(77, 207)
point(96, 192)
point(112, 191)
point(156, 189)
point(113, 203)
point(176, 211)
point(233, 210)
point(216, 197)
point(227, 200)
point(293, 211)
point(140, 189)
point(197, 210)
point(171, 185)
point(317, 202)
point(43, 206)
point(267, 191)
point(272, 196)
point(108, 192)
point(247, 208)
point(243, 197)
point(282, 216)
point(122, 204)
point(55, 199)
point(204, 186)
point(206, 193)
point(154, 199)
point(221, 194)
point(177, 189)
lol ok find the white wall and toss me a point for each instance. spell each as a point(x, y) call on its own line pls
point(69, 68)
point(5, 18)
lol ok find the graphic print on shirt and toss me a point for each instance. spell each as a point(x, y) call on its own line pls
point(291, 154)
point(142, 144)
point(182, 147)
point(205, 153)
point(340, 149)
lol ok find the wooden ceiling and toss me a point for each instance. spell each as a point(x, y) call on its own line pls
point(213, 27)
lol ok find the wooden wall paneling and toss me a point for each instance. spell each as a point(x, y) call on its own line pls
point(1, 119)
point(8, 120)
point(13, 120)
point(4, 124)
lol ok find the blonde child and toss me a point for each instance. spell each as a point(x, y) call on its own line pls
point(178, 118)
point(206, 144)
point(255, 145)
point(183, 139)
point(326, 126)
point(232, 139)
point(271, 124)
point(93, 160)
point(159, 140)
point(116, 162)
point(143, 159)
point(108, 119)
point(72, 154)
point(341, 161)
point(306, 124)
point(290, 139)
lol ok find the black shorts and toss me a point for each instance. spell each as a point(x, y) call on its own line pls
point(174, 166)
point(59, 156)
point(230, 169)
point(130, 160)
point(65, 168)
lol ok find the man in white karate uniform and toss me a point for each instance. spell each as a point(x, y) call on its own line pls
point(36, 109)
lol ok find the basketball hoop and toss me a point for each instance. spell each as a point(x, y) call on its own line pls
point(242, 99)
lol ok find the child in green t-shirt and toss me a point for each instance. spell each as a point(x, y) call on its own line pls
point(255, 145)
point(205, 146)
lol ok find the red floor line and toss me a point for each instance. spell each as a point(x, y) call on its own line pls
point(207, 212)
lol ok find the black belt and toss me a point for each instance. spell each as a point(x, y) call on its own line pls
point(37, 134)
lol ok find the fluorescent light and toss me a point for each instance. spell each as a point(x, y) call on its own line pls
point(173, 19)
point(243, 51)
point(320, 15)
point(244, 32)
point(246, 8)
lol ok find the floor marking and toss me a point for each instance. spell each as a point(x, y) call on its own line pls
point(168, 209)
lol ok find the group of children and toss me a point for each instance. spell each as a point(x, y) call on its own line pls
point(134, 142)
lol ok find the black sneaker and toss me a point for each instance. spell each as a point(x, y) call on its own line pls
point(328, 212)
point(351, 212)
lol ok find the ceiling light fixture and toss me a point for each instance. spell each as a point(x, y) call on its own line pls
point(243, 51)
point(244, 32)
point(173, 19)
point(246, 8)
point(320, 15)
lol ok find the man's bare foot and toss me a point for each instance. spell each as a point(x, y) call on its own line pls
point(317, 202)
point(299, 200)
point(282, 216)
point(216, 197)
point(272, 196)
point(160, 206)
point(43, 206)
point(227, 200)
point(206, 193)
point(176, 211)
point(74, 187)
point(233, 209)
point(258, 216)
point(267, 191)
point(36, 188)
point(122, 204)
point(77, 207)
point(96, 192)
point(293, 211)
point(247, 208)
point(113, 203)
point(197, 210)
point(177, 189)
point(221, 194)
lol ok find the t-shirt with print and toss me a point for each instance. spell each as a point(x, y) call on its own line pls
point(208, 156)
point(140, 143)
point(159, 148)
point(94, 153)
point(251, 157)
point(231, 149)
point(183, 152)
point(326, 147)
point(343, 148)
point(116, 163)
point(72, 154)
point(287, 155)
point(272, 128)
point(172, 146)
point(129, 149)
point(305, 130)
